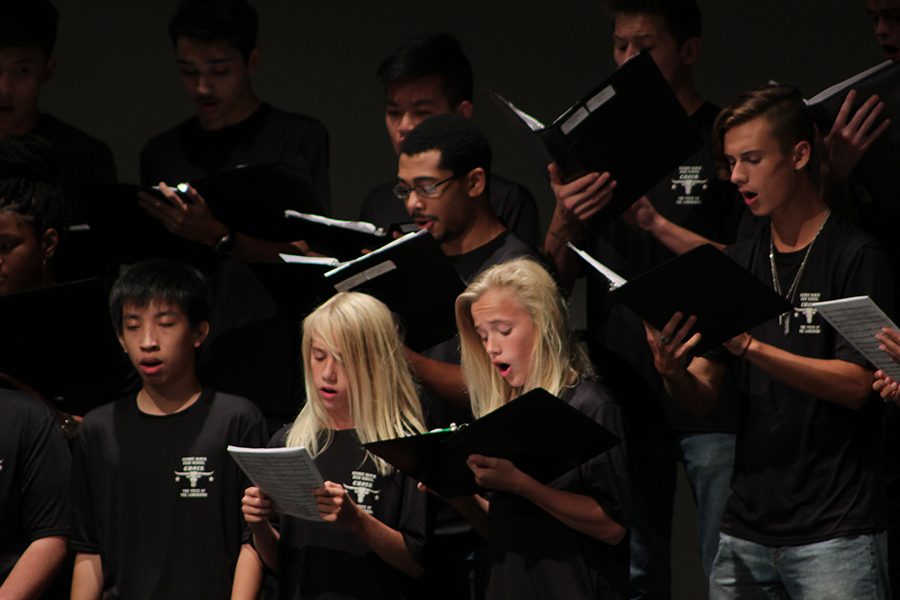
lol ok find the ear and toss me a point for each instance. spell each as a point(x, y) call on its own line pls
point(253, 60)
point(200, 333)
point(801, 155)
point(690, 51)
point(464, 109)
point(49, 243)
point(476, 182)
point(49, 68)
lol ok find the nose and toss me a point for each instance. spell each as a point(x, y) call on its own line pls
point(881, 26)
point(490, 346)
point(414, 203)
point(407, 124)
point(738, 175)
point(203, 86)
point(148, 340)
point(329, 373)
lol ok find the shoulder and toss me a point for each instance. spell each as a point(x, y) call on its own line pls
point(279, 440)
point(511, 248)
point(501, 186)
point(18, 409)
point(170, 137)
point(295, 122)
point(55, 131)
point(589, 392)
point(103, 417)
point(231, 405)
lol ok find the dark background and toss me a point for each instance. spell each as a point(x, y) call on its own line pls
point(117, 80)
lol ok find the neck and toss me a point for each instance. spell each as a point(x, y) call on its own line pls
point(342, 421)
point(242, 110)
point(688, 96)
point(168, 399)
point(23, 126)
point(795, 225)
point(483, 227)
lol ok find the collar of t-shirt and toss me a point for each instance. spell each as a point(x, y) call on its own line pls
point(467, 265)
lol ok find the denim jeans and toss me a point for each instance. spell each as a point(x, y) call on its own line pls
point(842, 568)
point(708, 461)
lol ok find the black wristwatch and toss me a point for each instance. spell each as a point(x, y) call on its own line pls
point(225, 245)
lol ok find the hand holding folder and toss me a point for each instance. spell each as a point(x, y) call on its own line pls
point(540, 434)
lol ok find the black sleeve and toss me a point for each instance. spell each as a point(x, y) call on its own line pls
point(518, 211)
point(314, 149)
point(84, 530)
point(412, 516)
point(45, 480)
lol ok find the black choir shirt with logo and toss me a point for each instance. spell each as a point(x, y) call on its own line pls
point(696, 198)
point(512, 203)
point(534, 555)
point(159, 498)
point(808, 470)
point(34, 477)
point(326, 561)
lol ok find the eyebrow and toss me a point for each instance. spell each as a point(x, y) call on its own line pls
point(212, 61)
point(415, 103)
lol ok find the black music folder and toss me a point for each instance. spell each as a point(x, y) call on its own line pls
point(632, 125)
point(882, 79)
point(726, 298)
point(58, 337)
point(344, 240)
point(296, 283)
point(414, 279)
point(542, 435)
point(249, 199)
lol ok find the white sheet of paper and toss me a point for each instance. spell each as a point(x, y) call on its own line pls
point(615, 280)
point(362, 226)
point(858, 319)
point(298, 259)
point(287, 475)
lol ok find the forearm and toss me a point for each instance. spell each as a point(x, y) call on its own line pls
point(387, 543)
point(445, 380)
point(555, 249)
point(87, 577)
point(35, 569)
point(834, 380)
point(695, 394)
point(265, 540)
point(675, 237)
point(248, 575)
point(581, 513)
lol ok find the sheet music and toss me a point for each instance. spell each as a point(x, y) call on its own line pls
point(361, 226)
point(287, 475)
point(615, 280)
point(858, 319)
point(297, 259)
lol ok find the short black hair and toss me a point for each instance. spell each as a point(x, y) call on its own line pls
point(233, 21)
point(683, 18)
point(166, 281)
point(431, 54)
point(28, 23)
point(462, 144)
point(29, 183)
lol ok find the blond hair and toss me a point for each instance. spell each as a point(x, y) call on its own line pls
point(383, 400)
point(558, 360)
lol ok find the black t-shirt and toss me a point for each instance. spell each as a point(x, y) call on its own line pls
point(808, 470)
point(253, 346)
point(80, 157)
point(326, 561)
point(512, 203)
point(159, 498)
point(34, 477)
point(535, 556)
point(694, 197)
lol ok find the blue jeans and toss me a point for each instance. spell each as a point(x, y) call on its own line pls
point(708, 462)
point(837, 569)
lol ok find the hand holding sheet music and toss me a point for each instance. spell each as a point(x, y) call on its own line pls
point(287, 475)
point(859, 320)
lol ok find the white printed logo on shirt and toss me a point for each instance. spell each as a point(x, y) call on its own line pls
point(193, 472)
point(806, 313)
point(362, 488)
point(689, 180)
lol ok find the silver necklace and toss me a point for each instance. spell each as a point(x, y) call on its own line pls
point(785, 318)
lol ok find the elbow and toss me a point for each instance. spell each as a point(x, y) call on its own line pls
point(414, 568)
point(612, 534)
point(859, 395)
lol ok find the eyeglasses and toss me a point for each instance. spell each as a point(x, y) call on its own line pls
point(428, 190)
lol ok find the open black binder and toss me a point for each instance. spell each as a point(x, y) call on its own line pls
point(344, 240)
point(414, 279)
point(726, 298)
point(632, 125)
point(541, 434)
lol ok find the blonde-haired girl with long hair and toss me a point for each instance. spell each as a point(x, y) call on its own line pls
point(560, 540)
point(359, 388)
